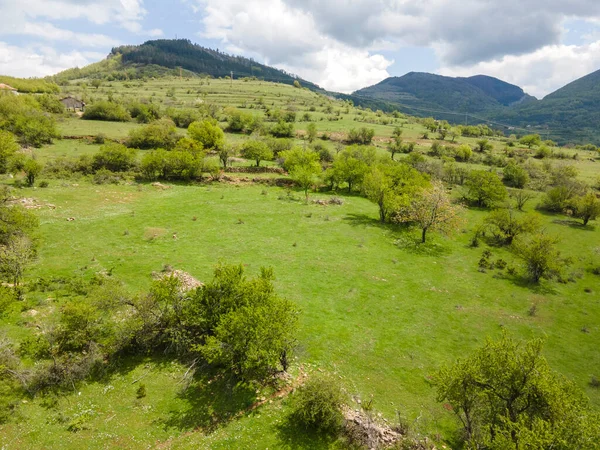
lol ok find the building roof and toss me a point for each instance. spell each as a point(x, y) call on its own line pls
point(7, 87)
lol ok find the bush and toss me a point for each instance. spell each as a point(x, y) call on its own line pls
point(106, 110)
point(543, 152)
point(114, 157)
point(159, 134)
point(317, 405)
point(183, 117)
point(8, 147)
point(207, 133)
point(515, 175)
point(283, 129)
point(144, 113)
point(463, 152)
point(22, 116)
point(362, 136)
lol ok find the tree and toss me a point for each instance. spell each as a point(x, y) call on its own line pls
point(256, 150)
point(541, 257)
point(431, 210)
point(311, 132)
point(506, 396)
point(530, 140)
point(32, 169)
point(15, 255)
point(225, 153)
point(208, 133)
point(306, 175)
point(521, 197)
point(455, 133)
point(348, 169)
point(515, 175)
point(484, 188)
point(8, 147)
point(484, 145)
point(303, 165)
point(96, 83)
point(505, 225)
point(248, 329)
point(586, 207)
point(395, 146)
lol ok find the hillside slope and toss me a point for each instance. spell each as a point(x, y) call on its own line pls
point(169, 56)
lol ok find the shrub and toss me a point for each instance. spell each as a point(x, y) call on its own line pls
point(463, 152)
point(282, 129)
point(114, 157)
point(8, 147)
point(207, 133)
point(21, 115)
point(159, 134)
point(144, 113)
point(106, 110)
point(184, 117)
point(515, 175)
point(362, 136)
point(317, 405)
point(543, 152)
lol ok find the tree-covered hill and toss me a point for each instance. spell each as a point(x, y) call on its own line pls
point(169, 56)
point(428, 91)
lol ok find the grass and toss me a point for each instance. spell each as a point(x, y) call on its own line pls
point(378, 309)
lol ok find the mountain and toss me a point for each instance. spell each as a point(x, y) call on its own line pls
point(420, 92)
point(169, 57)
point(503, 92)
point(569, 115)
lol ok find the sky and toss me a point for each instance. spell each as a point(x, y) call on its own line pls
point(342, 45)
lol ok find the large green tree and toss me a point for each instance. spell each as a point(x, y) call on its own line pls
point(506, 397)
point(485, 188)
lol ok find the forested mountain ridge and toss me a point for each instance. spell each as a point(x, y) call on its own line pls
point(568, 115)
point(169, 56)
point(425, 90)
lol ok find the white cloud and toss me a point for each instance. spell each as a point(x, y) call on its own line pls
point(540, 72)
point(49, 32)
point(289, 38)
point(39, 62)
point(335, 42)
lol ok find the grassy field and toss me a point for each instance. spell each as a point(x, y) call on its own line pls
point(379, 310)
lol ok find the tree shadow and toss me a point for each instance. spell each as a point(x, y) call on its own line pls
point(414, 246)
point(211, 401)
point(292, 436)
point(542, 288)
point(574, 224)
point(364, 220)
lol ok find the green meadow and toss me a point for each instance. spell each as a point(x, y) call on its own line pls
point(379, 310)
